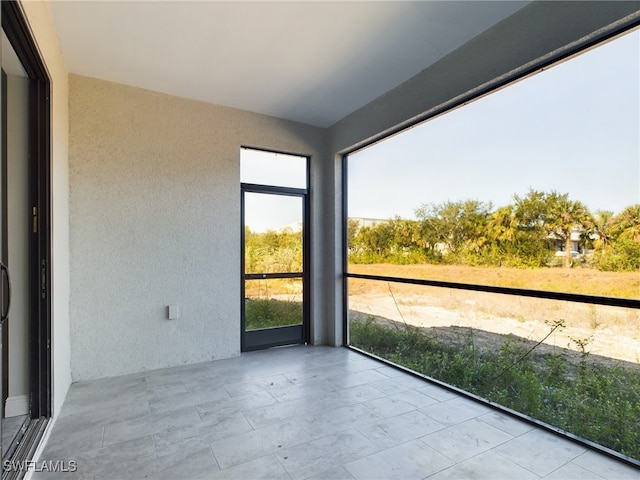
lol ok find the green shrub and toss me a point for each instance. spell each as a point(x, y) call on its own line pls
point(623, 256)
point(598, 403)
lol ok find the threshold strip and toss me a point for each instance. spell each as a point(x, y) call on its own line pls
point(25, 448)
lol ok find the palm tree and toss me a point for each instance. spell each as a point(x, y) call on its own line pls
point(565, 216)
point(503, 225)
point(626, 225)
point(602, 227)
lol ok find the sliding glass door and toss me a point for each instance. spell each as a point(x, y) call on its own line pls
point(25, 241)
point(14, 246)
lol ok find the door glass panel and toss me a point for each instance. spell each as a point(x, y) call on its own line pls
point(273, 303)
point(270, 168)
point(14, 247)
point(273, 253)
point(273, 233)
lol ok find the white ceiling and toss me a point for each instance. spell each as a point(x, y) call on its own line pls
point(312, 62)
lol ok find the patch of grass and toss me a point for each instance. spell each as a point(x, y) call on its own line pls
point(269, 313)
point(598, 403)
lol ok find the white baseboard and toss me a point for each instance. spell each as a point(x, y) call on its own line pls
point(17, 405)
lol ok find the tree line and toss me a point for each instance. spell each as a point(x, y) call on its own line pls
point(526, 233)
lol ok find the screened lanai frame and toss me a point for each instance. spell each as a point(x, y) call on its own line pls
point(612, 32)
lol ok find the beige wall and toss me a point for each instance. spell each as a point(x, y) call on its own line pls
point(40, 20)
point(155, 220)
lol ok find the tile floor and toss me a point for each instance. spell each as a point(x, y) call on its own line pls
point(301, 412)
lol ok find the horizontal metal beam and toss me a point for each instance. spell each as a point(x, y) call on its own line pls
point(521, 292)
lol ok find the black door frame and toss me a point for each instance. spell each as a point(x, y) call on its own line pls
point(17, 30)
point(277, 336)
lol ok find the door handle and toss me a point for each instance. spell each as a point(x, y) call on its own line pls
point(4, 272)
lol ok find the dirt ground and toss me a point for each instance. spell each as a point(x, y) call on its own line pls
point(610, 334)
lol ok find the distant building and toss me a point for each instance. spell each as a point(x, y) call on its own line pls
point(368, 222)
point(576, 240)
point(293, 227)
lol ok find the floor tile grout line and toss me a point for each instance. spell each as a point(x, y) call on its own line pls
point(281, 465)
point(562, 466)
point(458, 462)
point(582, 466)
point(523, 466)
point(530, 427)
point(195, 407)
point(155, 448)
point(214, 457)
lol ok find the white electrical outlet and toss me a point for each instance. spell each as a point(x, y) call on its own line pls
point(174, 312)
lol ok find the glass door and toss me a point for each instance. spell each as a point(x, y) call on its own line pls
point(25, 239)
point(14, 247)
point(274, 249)
point(274, 280)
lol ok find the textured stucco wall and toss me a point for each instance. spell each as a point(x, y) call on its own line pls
point(155, 220)
point(38, 15)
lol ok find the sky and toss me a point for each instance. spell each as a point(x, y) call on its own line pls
point(574, 128)
point(270, 212)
